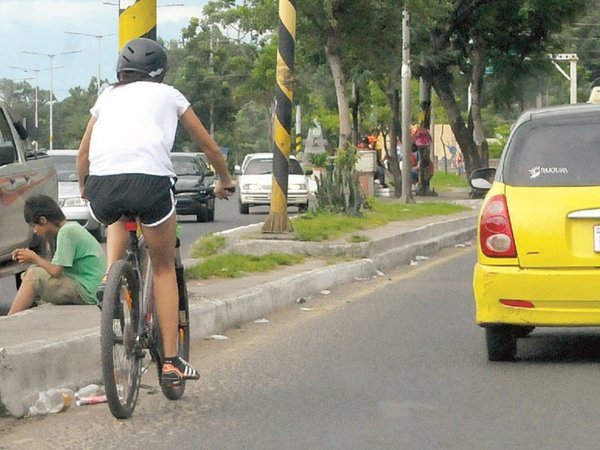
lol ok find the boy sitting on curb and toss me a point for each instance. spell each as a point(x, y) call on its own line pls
point(78, 264)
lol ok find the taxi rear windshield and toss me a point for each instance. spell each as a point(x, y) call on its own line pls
point(554, 153)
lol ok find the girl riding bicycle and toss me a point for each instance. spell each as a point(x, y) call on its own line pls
point(124, 162)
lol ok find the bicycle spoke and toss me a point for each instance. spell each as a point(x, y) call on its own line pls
point(121, 358)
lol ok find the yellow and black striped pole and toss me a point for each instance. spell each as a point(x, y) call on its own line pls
point(298, 147)
point(137, 18)
point(278, 220)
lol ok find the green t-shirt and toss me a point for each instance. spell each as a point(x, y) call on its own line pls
point(82, 259)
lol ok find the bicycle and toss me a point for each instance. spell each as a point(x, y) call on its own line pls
point(128, 327)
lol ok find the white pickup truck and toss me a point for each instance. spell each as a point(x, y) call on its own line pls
point(23, 172)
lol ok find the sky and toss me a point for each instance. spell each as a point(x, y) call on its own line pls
point(40, 26)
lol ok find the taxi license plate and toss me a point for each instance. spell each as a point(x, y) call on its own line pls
point(597, 238)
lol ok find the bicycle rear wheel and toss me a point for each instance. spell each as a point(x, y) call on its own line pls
point(119, 340)
point(174, 391)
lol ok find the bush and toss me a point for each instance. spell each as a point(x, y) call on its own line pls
point(495, 146)
point(318, 159)
point(338, 189)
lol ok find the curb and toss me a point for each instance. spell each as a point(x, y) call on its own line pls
point(72, 359)
point(215, 315)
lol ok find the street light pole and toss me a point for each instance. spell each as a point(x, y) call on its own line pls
point(51, 56)
point(572, 77)
point(99, 39)
point(406, 139)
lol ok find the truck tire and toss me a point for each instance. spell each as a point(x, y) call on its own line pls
point(202, 215)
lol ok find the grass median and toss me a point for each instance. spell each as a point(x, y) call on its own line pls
point(313, 226)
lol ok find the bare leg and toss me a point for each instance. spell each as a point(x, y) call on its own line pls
point(117, 239)
point(161, 245)
point(24, 297)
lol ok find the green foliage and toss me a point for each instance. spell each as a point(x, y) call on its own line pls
point(208, 245)
point(227, 60)
point(73, 114)
point(235, 265)
point(318, 159)
point(322, 225)
point(251, 133)
point(495, 148)
point(442, 181)
point(338, 189)
point(496, 145)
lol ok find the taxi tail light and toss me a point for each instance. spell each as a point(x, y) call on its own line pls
point(496, 238)
point(517, 303)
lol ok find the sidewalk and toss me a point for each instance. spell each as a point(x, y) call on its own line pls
point(58, 346)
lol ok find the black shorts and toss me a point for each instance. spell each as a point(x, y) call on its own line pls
point(150, 197)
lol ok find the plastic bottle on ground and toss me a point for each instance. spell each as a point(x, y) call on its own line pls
point(52, 401)
point(87, 391)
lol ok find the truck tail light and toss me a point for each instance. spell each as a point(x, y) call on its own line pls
point(495, 233)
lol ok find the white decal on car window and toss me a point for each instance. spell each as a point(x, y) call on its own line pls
point(536, 171)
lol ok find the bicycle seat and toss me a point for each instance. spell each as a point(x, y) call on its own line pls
point(131, 223)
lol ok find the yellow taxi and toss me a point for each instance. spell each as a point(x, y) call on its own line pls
point(538, 246)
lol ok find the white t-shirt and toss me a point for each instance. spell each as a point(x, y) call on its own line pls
point(135, 129)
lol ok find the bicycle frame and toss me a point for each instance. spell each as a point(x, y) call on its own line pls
point(142, 267)
point(128, 325)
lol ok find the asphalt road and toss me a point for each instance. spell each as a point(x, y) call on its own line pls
point(227, 216)
point(390, 363)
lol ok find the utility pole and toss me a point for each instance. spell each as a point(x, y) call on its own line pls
point(406, 139)
point(278, 220)
point(52, 67)
point(99, 39)
point(298, 130)
point(36, 101)
point(137, 19)
point(211, 63)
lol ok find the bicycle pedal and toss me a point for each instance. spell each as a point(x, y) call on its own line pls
point(170, 384)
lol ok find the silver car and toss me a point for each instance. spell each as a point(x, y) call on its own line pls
point(72, 204)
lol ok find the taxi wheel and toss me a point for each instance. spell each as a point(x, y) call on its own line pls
point(522, 332)
point(501, 343)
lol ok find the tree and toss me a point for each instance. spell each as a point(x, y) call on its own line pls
point(331, 26)
point(209, 68)
point(465, 35)
point(73, 114)
point(21, 98)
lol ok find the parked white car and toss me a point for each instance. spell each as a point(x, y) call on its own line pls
point(72, 204)
point(255, 179)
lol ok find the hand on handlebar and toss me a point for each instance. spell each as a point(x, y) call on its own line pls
point(224, 191)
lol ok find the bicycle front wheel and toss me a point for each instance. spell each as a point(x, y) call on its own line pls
point(119, 340)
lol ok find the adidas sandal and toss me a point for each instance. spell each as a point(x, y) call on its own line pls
point(176, 371)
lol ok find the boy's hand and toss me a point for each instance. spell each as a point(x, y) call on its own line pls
point(23, 255)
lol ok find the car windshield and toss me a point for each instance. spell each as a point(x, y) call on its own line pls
point(265, 166)
point(186, 167)
point(554, 153)
point(65, 167)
